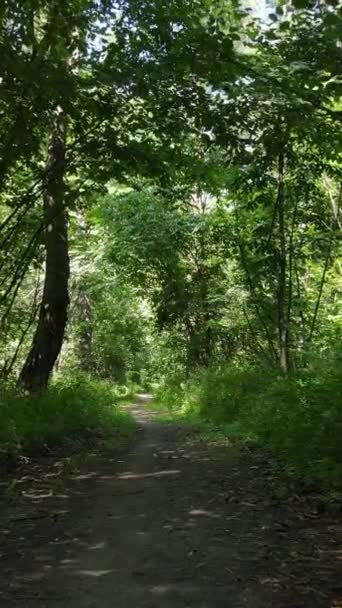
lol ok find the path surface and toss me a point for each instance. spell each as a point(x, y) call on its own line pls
point(171, 523)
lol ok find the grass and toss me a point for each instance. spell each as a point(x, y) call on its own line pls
point(298, 419)
point(72, 406)
point(221, 433)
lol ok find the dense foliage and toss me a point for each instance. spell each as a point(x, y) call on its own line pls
point(170, 214)
point(75, 406)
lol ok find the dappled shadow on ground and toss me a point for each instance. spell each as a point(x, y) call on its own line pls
point(172, 523)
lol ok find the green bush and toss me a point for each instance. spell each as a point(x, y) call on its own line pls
point(69, 407)
point(225, 392)
point(301, 420)
point(298, 418)
point(171, 393)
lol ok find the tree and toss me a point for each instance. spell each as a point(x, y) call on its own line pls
point(49, 335)
point(190, 102)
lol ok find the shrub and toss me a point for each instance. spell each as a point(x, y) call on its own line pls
point(71, 405)
point(301, 420)
point(298, 418)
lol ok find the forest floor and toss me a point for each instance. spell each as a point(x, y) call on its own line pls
point(175, 521)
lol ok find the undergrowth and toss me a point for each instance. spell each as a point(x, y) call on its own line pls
point(72, 406)
point(298, 418)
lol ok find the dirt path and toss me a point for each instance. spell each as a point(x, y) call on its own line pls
point(172, 523)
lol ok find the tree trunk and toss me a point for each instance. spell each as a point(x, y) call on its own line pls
point(49, 335)
point(283, 295)
point(86, 335)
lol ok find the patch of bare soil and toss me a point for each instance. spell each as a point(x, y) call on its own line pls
point(175, 522)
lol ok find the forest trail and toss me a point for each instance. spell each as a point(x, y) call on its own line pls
point(173, 522)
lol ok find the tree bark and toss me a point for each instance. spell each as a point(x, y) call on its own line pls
point(86, 335)
point(49, 335)
point(283, 295)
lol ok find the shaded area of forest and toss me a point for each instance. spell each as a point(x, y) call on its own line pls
point(170, 218)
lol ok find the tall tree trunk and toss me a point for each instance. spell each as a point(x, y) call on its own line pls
point(49, 335)
point(283, 295)
point(205, 329)
point(86, 336)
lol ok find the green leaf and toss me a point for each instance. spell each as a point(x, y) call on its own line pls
point(333, 19)
point(300, 3)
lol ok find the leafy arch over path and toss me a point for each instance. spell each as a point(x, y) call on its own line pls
point(192, 97)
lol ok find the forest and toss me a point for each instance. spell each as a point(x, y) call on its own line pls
point(170, 221)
